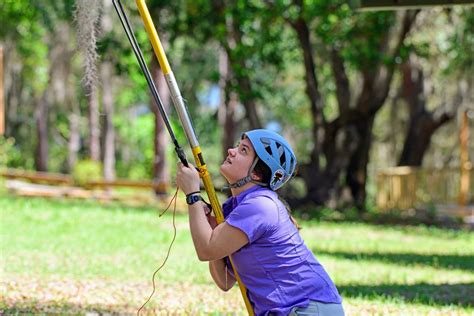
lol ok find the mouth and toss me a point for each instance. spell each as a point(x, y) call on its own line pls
point(227, 161)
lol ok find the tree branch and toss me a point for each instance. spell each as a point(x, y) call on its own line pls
point(342, 82)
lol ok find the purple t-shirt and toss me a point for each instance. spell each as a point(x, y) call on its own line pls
point(277, 268)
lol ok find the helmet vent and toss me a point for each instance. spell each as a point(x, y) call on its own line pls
point(266, 143)
point(282, 159)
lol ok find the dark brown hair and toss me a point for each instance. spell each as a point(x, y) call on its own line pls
point(264, 173)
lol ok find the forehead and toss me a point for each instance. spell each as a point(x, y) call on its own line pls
point(245, 141)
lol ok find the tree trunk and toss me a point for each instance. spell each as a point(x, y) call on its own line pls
point(2, 104)
point(376, 86)
point(318, 185)
point(344, 144)
point(422, 123)
point(244, 85)
point(13, 89)
point(228, 104)
point(248, 101)
point(41, 118)
point(106, 74)
point(417, 140)
point(94, 128)
point(109, 130)
point(160, 169)
point(63, 93)
point(74, 142)
point(312, 84)
point(356, 172)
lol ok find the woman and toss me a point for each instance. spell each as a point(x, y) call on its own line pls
point(281, 274)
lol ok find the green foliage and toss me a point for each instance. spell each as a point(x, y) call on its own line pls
point(461, 44)
point(86, 170)
point(7, 151)
point(135, 139)
point(263, 48)
point(10, 155)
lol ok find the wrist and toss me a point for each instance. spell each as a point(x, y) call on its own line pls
point(193, 197)
point(192, 192)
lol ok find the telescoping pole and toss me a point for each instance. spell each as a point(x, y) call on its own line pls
point(154, 92)
point(188, 128)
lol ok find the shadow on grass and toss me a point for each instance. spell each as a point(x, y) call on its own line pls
point(424, 293)
point(462, 262)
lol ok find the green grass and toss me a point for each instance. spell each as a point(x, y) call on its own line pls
point(76, 257)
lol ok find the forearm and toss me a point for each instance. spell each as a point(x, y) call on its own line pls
point(212, 241)
point(220, 275)
point(201, 231)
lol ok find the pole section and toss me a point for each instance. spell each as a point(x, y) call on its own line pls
point(151, 85)
point(178, 102)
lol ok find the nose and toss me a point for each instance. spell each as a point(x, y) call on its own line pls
point(231, 151)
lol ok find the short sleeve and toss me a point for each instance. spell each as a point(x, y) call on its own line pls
point(254, 216)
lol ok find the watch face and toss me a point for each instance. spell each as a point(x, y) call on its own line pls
point(193, 199)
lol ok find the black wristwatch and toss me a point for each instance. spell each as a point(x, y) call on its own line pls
point(192, 198)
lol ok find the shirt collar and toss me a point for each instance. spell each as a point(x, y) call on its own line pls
point(243, 194)
point(233, 201)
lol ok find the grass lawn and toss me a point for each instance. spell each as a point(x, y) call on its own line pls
point(81, 257)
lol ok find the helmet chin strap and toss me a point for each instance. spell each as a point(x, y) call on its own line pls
point(247, 179)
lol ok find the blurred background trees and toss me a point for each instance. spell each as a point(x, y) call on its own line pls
point(352, 91)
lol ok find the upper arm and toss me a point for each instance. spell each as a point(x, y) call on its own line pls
point(225, 240)
point(247, 223)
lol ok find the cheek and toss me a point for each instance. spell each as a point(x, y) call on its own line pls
point(225, 169)
point(247, 164)
point(232, 172)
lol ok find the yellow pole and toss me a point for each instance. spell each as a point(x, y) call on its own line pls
point(178, 102)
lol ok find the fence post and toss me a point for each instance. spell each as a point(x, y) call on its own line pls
point(464, 159)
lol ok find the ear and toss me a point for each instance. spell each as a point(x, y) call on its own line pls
point(255, 176)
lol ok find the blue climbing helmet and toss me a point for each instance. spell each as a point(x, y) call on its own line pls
point(276, 153)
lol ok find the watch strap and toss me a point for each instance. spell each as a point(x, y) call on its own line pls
point(193, 197)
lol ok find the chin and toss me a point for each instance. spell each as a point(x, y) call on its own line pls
point(223, 172)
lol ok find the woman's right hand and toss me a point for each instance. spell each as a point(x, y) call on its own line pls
point(187, 178)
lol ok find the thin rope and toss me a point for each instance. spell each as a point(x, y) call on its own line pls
point(225, 264)
point(174, 199)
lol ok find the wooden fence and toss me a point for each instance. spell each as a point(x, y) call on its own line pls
point(31, 183)
point(411, 187)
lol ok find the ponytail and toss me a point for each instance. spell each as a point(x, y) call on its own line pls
point(288, 209)
point(262, 170)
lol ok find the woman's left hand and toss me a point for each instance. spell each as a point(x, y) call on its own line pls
point(187, 178)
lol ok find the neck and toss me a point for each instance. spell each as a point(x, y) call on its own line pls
point(241, 189)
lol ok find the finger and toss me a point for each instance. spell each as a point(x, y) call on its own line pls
point(181, 166)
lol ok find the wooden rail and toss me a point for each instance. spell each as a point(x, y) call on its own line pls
point(31, 183)
point(39, 177)
point(159, 187)
point(410, 187)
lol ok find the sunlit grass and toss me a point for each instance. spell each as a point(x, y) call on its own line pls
point(64, 246)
